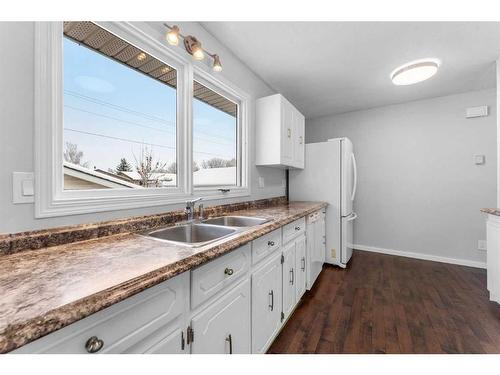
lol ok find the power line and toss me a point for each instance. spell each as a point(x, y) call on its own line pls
point(136, 142)
point(119, 108)
point(144, 126)
point(127, 110)
point(116, 119)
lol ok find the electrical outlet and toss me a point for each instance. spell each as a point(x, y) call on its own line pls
point(333, 253)
point(481, 245)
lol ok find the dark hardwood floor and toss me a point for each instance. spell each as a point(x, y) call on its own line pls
point(389, 304)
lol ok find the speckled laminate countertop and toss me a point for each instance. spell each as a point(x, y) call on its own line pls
point(491, 211)
point(46, 289)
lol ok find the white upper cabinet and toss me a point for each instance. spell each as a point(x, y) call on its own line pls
point(280, 131)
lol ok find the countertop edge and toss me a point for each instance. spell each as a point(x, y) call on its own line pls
point(79, 309)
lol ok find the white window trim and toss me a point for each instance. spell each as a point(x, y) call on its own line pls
point(234, 94)
point(50, 198)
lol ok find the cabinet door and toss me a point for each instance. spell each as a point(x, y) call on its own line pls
point(266, 304)
point(298, 134)
point(224, 326)
point(300, 266)
point(287, 137)
point(173, 343)
point(289, 278)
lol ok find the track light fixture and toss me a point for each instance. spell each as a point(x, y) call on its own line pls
point(173, 36)
point(192, 46)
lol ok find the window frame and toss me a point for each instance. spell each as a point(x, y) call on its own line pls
point(50, 197)
point(228, 91)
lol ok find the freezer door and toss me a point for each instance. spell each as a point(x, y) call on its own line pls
point(347, 237)
point(349, 177)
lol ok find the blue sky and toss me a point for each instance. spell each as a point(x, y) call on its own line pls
point(105, 100)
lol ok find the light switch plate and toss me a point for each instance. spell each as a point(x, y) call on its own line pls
point(22, 187)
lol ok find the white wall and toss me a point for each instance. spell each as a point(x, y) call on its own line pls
point(16, 125)
point(419, 190)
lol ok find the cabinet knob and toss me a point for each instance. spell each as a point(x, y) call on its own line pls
point(297, 228)
point(270, 243)
point(94, 344)
point(228, 271)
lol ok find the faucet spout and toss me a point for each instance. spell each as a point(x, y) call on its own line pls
point(190, 208)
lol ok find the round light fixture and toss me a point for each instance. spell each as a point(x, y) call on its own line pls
point(415, 71)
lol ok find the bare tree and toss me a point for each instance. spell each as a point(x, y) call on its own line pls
point(147, 166)
point(172, 168)
point(73, 155)
point(195, 166)
point(218, 163)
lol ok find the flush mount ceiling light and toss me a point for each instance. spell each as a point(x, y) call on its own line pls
point(192, 46)
point(415, 71)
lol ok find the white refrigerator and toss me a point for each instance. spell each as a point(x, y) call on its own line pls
point(330, 175)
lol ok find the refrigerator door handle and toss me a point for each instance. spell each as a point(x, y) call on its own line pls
point(352, 217)
point(355, 184)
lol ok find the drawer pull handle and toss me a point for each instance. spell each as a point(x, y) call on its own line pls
point(94, 344)
point(303, 264)
point(270, 243)
point(271, 306)
point(229, 339)
point(228, 271)
point(291, 276)
point(297, 228)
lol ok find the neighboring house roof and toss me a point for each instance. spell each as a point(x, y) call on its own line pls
point(135, 176)
point(96, 177)
point(215, 176)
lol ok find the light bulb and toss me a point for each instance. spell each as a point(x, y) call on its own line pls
point(141, 56)
point(173, 36)
point(217, 67)
point(198, 52)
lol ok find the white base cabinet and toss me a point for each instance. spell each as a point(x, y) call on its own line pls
point(151, 321)
point(224, 326)
point(236, 303)
point(266, 304)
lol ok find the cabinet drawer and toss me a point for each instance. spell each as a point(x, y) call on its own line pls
point(265, 245)
point(123, 326)
point(294, 229)
point(218, 274)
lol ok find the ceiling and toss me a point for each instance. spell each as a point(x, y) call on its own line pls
point(334, 67)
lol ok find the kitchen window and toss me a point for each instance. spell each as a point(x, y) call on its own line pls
point(216, 160)
point(121, 123)
point(119, 113)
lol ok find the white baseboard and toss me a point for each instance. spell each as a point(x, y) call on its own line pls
point(409, 254)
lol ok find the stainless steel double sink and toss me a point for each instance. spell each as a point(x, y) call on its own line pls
point(197, 234)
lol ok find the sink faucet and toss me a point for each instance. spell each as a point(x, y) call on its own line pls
point(190, 208)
